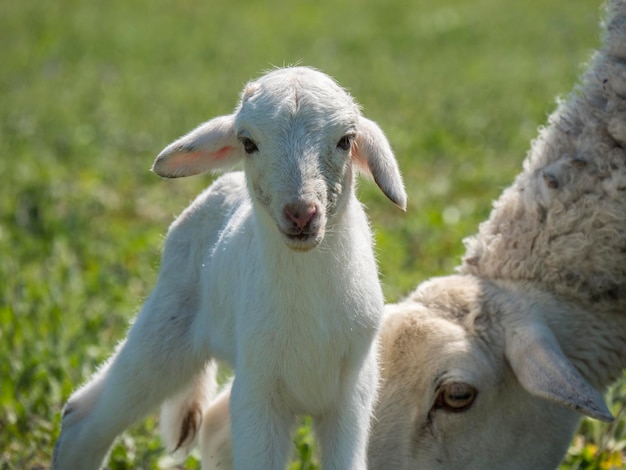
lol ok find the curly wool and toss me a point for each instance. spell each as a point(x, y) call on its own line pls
point(562, 224)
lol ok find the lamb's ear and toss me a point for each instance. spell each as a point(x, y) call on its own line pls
point(543, 369)
point(373, 154)
point(212, 146)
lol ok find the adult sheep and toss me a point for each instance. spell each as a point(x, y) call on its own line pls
point(493, 367)
point(270, 269)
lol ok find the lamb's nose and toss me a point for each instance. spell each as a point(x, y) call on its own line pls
point(300, 213)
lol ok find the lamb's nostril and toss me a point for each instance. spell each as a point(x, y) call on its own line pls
point(300, 213)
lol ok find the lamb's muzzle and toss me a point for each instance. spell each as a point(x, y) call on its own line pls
point(305, 228)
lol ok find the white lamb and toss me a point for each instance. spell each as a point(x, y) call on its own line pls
point(493, 368)
point(270, 269)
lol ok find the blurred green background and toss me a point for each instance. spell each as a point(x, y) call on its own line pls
point(90, 92)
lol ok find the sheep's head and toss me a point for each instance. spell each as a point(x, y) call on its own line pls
point(465, 386)
point(299, 135)
point(471, 379)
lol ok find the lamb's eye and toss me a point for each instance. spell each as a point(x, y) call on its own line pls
point(345, 142)
point(248, 145)
point(455, 397)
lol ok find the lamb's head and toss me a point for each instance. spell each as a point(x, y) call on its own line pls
point(473, 380)
point(299, 135)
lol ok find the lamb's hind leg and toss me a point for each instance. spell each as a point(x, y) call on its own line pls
point(182, 414)
point(156, 361)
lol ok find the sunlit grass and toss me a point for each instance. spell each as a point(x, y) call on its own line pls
point(91, 91)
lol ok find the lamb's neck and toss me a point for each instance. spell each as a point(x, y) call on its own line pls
point(338, 275)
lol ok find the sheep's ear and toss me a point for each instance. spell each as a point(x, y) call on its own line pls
point(373, 154)
point(543, 369)
point(212, 146)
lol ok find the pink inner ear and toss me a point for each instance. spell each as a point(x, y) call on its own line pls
point(187, 163)
point(356, 156)
point(223, 152)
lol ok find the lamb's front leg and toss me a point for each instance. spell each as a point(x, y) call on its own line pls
point(154, 362)
point(261, 426)
point(343, 431)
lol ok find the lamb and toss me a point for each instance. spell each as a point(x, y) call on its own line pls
point(494, 366)
point(270, 269)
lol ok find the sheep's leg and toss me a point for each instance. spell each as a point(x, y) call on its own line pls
point(216, 445)
point(156, 361)
point(343, 431)
point(261, 427)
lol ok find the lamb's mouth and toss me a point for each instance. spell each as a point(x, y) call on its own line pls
point(300, 236)
point(302, 241)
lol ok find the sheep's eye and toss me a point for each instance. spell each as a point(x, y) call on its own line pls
point(345, 143)
point(455, 397)
point(248, 145)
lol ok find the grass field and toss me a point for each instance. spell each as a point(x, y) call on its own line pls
point(90, 92)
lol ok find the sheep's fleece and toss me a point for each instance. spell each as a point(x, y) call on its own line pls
point(562, 224)
point(493, 367)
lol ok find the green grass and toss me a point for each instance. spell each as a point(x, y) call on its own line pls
point(91, 91)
